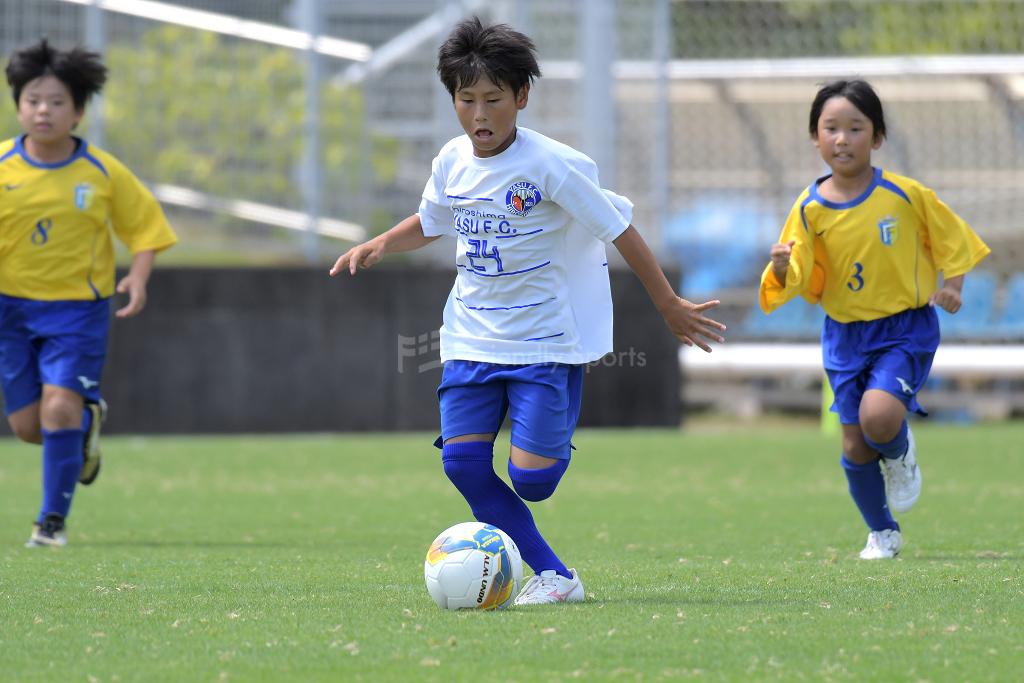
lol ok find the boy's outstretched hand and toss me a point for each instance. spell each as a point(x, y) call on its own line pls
point(689, 324)
point(363, 255)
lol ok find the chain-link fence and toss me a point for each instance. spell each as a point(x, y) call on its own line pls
point(695, 109)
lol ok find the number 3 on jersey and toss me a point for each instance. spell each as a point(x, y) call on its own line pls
point(856, 282)
point(41, 233)
point(478, 251)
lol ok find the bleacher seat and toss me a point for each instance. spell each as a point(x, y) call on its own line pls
point(976, 317)
point(720, 242)
point(1011, 320)
point(796, 319)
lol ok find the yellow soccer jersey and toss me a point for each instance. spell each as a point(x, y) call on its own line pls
point(874, 256)
point(56, 222)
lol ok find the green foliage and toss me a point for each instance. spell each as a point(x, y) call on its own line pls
point(9, 126)
point(226, 117)
point(894, 28)
point(707, 29)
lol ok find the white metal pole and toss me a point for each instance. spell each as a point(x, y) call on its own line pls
point(597, 85)
point(311, 22)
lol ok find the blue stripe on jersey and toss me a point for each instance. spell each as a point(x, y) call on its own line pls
point(550, 336)
point(803, 214)
point(79, 152)
point(514, 272)
point(520, 234)
point(894, 188)
point(10, 153)
point(875, 180)
point(474, 199)
point(95, 291)
point(94, 161)
point(501, 308)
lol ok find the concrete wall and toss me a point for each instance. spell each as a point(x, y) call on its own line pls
point(289, 350)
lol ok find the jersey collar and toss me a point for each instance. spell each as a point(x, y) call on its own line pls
point(876, 179)
point(80, 151)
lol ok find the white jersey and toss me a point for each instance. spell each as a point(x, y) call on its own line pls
point(531, 223)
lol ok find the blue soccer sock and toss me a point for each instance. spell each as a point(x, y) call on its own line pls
point(894, 448)
point(469, 466)
point(867, 488)
point(537, 484)
point(62, 463)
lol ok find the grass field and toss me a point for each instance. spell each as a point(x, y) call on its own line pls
point(707, 555)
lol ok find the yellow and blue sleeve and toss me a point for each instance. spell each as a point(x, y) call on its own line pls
point(135, 214)
point(954, 246)
point(804, 275)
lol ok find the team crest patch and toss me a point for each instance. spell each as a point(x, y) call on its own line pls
point(83, 196)
point(521, 197)
point(888, 230)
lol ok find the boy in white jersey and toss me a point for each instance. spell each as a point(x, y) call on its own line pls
point(61, 200)
point(531, 302)
point(869, 245)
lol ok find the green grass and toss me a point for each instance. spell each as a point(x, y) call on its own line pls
point(724, 555)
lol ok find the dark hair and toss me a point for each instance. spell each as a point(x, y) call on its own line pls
point(472, 50)
point(859, 93)
point(80, 70)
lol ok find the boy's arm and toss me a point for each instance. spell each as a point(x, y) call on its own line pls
point(947, 297)
point(406, 236)
point(685, 319)
point(134, 283)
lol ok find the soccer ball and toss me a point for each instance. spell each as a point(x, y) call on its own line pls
point(473, 565)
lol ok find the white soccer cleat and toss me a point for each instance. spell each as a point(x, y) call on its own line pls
point(550, 587)
point(882, 545)
point(49, 533)
point(903, 478)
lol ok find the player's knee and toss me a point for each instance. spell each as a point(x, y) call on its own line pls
point(536, 484)
point(880, 427)
point(61, 412)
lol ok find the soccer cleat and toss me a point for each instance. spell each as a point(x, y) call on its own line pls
point(48, 533)
point(902, 478)
point(882, 545)
point(550, 587)
point(91, 459)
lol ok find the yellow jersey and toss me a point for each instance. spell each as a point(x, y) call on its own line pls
point(874, 256)
point(57, 221)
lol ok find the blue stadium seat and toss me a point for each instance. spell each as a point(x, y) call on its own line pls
point(1011, 321)
point(796, 319)
point(976, 317)
point(721, 241)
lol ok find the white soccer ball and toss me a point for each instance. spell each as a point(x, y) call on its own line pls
point(473, 565)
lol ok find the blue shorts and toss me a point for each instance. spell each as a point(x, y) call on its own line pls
point(893, 354)
point(542, 401)
point(63, 343)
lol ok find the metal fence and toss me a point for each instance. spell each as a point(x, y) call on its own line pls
point(254, 116)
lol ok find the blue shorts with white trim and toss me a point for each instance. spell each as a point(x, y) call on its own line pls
point(893, 354)
point(63, 343)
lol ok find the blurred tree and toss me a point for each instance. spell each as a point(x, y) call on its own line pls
point(710, 29)
point(225, 116)
point(9, 126)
